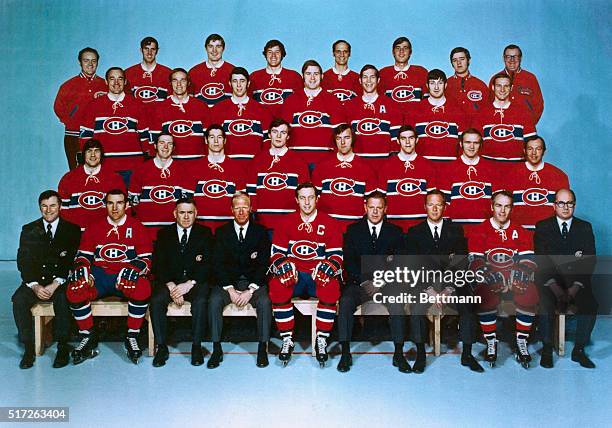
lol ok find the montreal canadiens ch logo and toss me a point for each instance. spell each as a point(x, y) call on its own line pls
point(146, 93)
point(500, 257)
point(368, 126)
point(474, 95)
point(162, 194)
point(502, 132)
point(240, 127)
point(472, 190)
point(437, 129)
point(401, 94)
point(115, 125)
point(310, 119)
point(215, 188)
point(212, 91)
point(409, 187)
point(272, 96)
point(181, 128)
point(304, 250)
point(342, 94)
point(342, 186)
point(275, 181)
point(114, 252)
point(535, 196)
point(91, 200)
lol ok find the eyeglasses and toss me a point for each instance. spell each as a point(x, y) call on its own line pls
point(563, 204)
point(512, 57)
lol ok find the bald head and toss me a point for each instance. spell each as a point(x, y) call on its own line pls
point(565, 203)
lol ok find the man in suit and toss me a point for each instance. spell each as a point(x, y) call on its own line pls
point(441, 246)
point(240, 261)
point(565, 247)
point(182, 267)
point(46, 251)
point(370, 236)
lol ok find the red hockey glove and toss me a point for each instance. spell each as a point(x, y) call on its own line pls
point(126, 281)
point(325, 271)
point(284, 270)
point(80, 284)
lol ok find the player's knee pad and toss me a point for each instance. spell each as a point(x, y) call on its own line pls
point(279, 292)
point(488, 299)
point(329, 293)
point(528, 298)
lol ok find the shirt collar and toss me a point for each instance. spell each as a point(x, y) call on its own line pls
point(243, 101)
point(344, 73)
point(497, 227)
point(431, 225)
point(345, 159)
point(396, 68)
point(377, 226)
point(469, 161)
point(538, 167)
point(115, 98)
point(53, 224)
point(437, 102)
point(269, 70)
point(94, 171)
point(568, 221)
point(84, 76)
point(216, 158)
point(219, 64)
point(120, 223)
point(370, 98)
point(146, 68)
point(179, 230)
point(404, 157)
point(237, 227)
point(175, 100)
point(278, 152)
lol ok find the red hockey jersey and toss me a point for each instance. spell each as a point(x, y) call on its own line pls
point(344, 85)
point(211, 84)
point(469, 92)
point(404, 86)
point(148, 86)
point(72, 98)
point(526, 91)
point(272, 90)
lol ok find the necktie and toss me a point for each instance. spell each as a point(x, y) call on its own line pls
point(563, 230)
point(436, 236)
point(49, 233)
point(184, 241)
point(374, 237)
point(241, 235)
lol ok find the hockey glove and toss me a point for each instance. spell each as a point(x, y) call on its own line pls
point(126, 281)
point(325, 271)
point(284, 270)
point(79, 284)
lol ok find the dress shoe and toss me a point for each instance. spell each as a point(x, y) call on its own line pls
point(215, 359)
point(62, 357)
point(262, 356)
point(401, 363)
point(546, 360)
point(197, 356)
point(579, 356)
point(27, 361)
point(161, 356)
point(468, 360)
point(346, 361)
point(419, 364)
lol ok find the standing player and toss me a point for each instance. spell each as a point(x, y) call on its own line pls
point(340, 80)
point(116, 121)
point(312, 113)
point(406, 179)
point(114, 259)
point(274, 175)
point(403, 82)
point(534, 184)
point(343, 179)
point(148, 80)
point(504, 253)
point(83, 189)
point(525, 87)
point(464, 88)
point(272, 85)
point(181, 116)
point(505, 124)
point(438, 121)
point(156, 186)
point(375, 119)
point(209, 78)
point(306, 259)
point(217, 178)
point(73, 96)
point(244, 121)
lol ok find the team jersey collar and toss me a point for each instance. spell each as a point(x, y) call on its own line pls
point(505, 106)
point(311, 218)
point(147, 68)
point(510, 73)
point(121, 221)
point(344, 73)
point(348, 158)
point(466, 77)
point(278, 151)
point(369, 99)
point(115, 98)
point(244, 100)
point(216, 158)
point(175, 100)
point(469, 161)
point(396, 68)
point(496, 226)
point(437, 102)
point(211, 66)
point(312, 93)
point(538, 167)
point(269, 70)
point(84, 76)
point(158, 163)
point(407, 158)
point(92, 171)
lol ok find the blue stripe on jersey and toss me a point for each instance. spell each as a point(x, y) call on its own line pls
point(452, 130)
point(470, 190)
point(535, 197)
point(358, 189)
point(503, 132)
point(163, 197)
point(255, 128)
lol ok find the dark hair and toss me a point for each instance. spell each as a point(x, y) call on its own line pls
point(89, 50)
point(405, 128)
point(435, 192)
point(147, 41)
point(502, 75)
point(214, 126)
point(460, 49)
point(113, 69)
point(212, 38)
point(185, 200)
point(513, 47)
point(115, 192)
point(471, 131)
point(178, 70)
point(93, 144)
point(532, 138)
point(272, 43)
point(376, 194)
point(241, 71)
point(436, 74)
point(164, 134)
point(278, 122)
point(505, 193)
point(305, 185)
point(340, 129)
point(311, 63)
point(368, 67)
point(49, 194)
point(401, 40)
point(569, 190)
point(337, 42)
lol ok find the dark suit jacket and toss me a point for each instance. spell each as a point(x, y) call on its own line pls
point(358, 243)
point(169, 264)
point(37, 260)
point(564, 265)
point(233, 259)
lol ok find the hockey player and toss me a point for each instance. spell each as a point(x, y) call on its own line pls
point(148, 80)
point(244, 121)
point(116, 121)
point(465, 89)
point(73, 96)
point(406, 179)
point(534, 184)
point(274, 175)
point(340, 80)
point(83, 189)
point(216, 179)
point(403, 82)
point(156, 186)
point(181, 116)
point(312, 113)
point(375, 119)
point(503, 252)
point(114, 259)
point(306, 260)
point(272, 85)
point(525, 87)
point(343, 179)
point(209, 78)
point(504, 123)
point(438, 120)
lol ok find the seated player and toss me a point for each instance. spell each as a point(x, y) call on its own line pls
point(503, 252)
point(274, 175)
point(83, 189)
point(463, 87)
point(306, 260)
point(148, 80)
point(340, 80)
point(209, 78)
point(113, 259)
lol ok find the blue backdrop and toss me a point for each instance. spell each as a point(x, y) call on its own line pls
point(567, 44)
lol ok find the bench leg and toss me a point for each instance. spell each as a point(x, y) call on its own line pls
point(437, 319)
point(151, 345)
point(39, 326)
point(560, 336)
point(313, 332)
